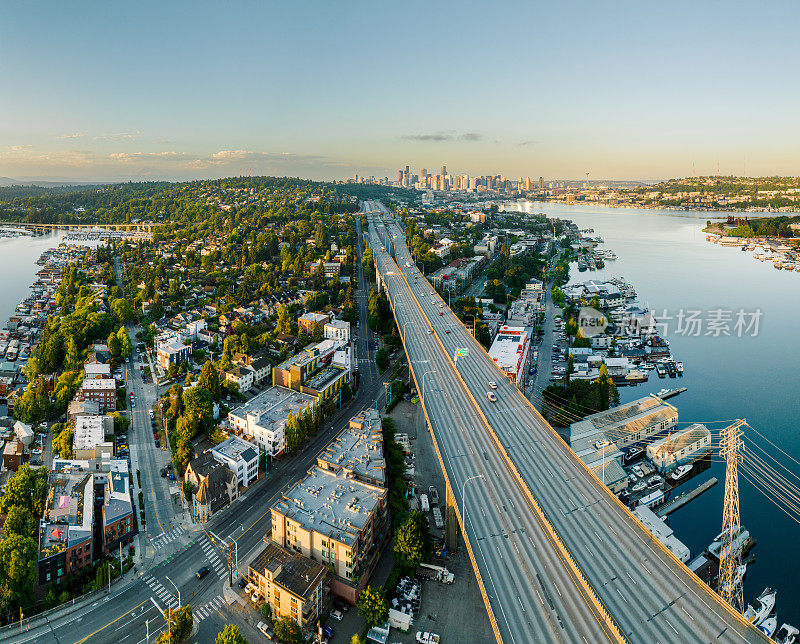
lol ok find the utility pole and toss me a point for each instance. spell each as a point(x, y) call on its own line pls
point(730, 557)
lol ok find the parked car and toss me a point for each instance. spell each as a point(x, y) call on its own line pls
point(265, 630)
point(328, 632)
point(335, 614)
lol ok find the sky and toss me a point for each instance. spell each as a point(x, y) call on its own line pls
point(325, 90)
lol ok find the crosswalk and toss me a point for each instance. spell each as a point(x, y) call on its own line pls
point(206, 610)
point(213, 558)
point(166, 537)
point(159, 591)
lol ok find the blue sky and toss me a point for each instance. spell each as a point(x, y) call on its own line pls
point(99, 90)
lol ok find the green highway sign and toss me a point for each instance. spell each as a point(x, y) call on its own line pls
point(462, 353)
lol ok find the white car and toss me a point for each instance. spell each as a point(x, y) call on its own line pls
point(491, 396)
point(492, 384)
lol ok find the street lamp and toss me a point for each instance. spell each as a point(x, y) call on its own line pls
point(423, 379)
point(177, 589)
point(406, 323)
point(464, 501)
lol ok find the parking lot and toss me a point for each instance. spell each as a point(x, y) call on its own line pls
point(456, 611)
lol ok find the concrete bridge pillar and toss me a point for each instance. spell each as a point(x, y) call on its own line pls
point(450, 521)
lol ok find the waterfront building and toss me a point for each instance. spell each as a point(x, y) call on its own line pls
point(626, 424)
point(679, 447)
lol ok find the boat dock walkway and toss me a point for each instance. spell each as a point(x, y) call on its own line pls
point(672, 392)
point(679, 501)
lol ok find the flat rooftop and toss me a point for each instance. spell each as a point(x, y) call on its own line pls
point(274, 405)
point(99, 383)
point(508, 346)
point(331, 504)
point(358, 449)
point(89, 432)
point(236, 449)
point(310, 353)
point(324, 377)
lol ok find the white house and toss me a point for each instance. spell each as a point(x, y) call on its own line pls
point(240, 456)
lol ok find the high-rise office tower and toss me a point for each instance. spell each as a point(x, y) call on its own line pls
point(541, 183)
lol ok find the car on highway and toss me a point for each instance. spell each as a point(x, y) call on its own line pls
point(202, 572)
point(447, 330)
point(441, 312)
point(430, 331)
point(491, 396)
point(493, 384)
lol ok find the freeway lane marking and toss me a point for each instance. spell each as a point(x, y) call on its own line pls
point(114, 622)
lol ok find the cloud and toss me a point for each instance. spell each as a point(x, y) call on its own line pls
point(528, 143)
point(74, 135)
point(443, 136)
point(134, 156)
point(123, 136)
point(26, 155)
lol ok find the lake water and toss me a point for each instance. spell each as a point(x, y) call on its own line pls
point(665, 256)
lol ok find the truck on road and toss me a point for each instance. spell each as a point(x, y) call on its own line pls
point(437, 518)
point(434, 495)
point(423, 503)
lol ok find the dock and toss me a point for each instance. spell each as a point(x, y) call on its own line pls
point(671, 393)
point(681, 500)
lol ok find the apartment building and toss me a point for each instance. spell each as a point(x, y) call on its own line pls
point(357, 452)
point(89, 437)
point(262, 419)
point(293, 585)
point(240, 456)
point(117, 511)
point(308, 320)
point(333, 519)
point(103, 391)
point(337, 330)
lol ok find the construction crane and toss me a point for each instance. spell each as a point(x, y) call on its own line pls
point(729, 584)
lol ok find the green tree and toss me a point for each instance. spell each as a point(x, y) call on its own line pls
point(321, 237)
point(372, 605)
point(382, 359)
point(114, 347)
point(26, 489)
point(316, 332)
point(18, 567)
point(20, 521)
point(284, 324)
point(412, 541)
point(230, 635)
point(266, 611)
point(125, 346)
point(121, 309)
point(288, 631)
point(198, 407)
point(209, 380)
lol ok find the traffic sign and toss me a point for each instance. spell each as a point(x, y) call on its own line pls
point(462, 353)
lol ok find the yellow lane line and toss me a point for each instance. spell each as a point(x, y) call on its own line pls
point(114, 622)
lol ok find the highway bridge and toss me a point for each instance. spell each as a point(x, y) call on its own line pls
point(557, 556)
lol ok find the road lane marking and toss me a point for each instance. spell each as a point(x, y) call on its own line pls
point(88, 637)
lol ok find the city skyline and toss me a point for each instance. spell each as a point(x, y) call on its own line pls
point(197, 91)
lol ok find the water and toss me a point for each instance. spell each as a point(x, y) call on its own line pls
point(665, 256)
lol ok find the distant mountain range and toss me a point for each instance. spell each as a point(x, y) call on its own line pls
point(5, 182)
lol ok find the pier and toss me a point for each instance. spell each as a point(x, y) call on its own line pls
point(681, 500)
